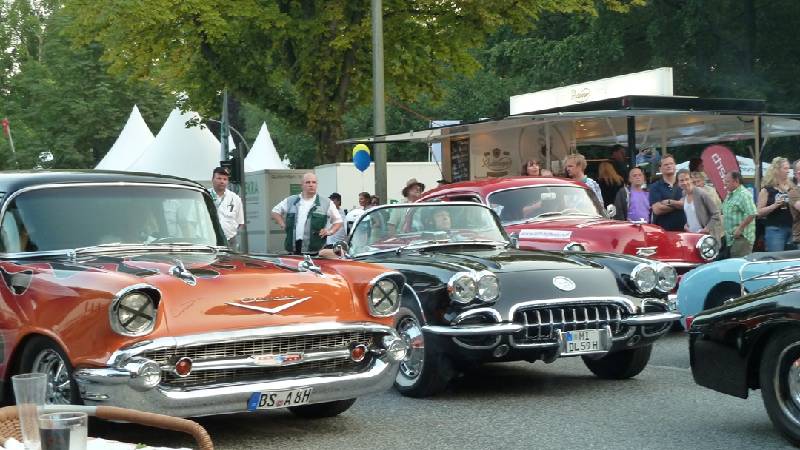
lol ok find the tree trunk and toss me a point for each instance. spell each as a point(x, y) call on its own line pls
point(328, 151)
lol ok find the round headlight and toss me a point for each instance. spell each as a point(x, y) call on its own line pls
point(384, 298)
point(644, 277)
point(667, 277)
point(708, 247)
point(462, 288)
point(488, 288)
point(133, 314)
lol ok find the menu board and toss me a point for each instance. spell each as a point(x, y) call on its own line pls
point(459, 160)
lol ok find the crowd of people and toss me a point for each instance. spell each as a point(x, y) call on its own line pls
point(679, 200)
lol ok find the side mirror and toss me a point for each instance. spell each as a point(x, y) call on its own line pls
point(341, 248)
point(611, 211)
point(514, 238)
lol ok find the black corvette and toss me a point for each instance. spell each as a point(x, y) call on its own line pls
point(472, 297)
point(753, 342)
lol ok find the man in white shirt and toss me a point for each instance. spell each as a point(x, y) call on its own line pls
point(304, 218)
point(341, 234)
point(229, 206)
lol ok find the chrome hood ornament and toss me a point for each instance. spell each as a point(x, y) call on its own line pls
point(246, 303)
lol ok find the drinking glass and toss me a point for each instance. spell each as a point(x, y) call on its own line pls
point(63, 431)
point(30, 390)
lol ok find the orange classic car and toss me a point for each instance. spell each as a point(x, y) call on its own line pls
point(119, 287)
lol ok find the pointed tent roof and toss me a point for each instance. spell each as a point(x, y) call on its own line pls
point(131, 142)
point(191, 153)
point(263, 154)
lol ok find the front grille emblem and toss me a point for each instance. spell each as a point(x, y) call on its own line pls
point(645, 252)
point(274, 310)
point(563, 283)
point(286, 359)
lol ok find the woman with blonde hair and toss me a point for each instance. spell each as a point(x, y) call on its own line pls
point(773, 205)
point(610, 182)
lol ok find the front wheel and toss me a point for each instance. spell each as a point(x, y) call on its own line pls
point(779, 376)
point(322, 410)
point(45, 356)
point(426, 371)
point(620, 365)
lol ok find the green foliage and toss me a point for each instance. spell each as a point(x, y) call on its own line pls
point(309, 61)
point(61, 99)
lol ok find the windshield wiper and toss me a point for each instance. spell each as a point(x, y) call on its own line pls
point(99, 248)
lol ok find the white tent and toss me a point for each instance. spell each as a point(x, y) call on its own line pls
point(130, 144)
point(191, 153)
point(263, 155)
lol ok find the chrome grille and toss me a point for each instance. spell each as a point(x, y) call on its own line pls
point(543, 324)
point(262, 346)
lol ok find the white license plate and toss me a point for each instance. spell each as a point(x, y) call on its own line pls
point(279, 399)
point(584, 341)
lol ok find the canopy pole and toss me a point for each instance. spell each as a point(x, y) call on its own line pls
point(379, 108)
point(632, 140)
point(757, 153)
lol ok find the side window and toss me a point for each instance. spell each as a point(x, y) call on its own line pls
point(10, 233)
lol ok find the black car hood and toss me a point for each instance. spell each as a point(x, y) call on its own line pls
point(463, 258)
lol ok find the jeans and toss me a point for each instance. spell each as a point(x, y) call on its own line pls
point(776, 238)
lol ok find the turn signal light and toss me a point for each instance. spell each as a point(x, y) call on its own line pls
point(689, 320)
point(183, 367)
point(358, 352)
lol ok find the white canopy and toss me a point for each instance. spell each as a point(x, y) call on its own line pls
point(191, 153)
point(263, 155)
point(130, 144)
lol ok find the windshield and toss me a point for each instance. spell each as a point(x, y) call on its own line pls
point(422, 224)
point(83, 216)
point(520, 205)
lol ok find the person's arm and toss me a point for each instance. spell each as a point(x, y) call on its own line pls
point(657, 204)
point(763, 208)
point(335, 219)
point(277, 214)
point(740, 229)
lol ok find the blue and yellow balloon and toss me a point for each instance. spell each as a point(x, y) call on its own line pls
point(361, 157)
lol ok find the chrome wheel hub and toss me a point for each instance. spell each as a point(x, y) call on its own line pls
point(793, 382)
point(411, 332)
point(59, 390)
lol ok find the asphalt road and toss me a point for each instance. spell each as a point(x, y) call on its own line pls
point(509, 406)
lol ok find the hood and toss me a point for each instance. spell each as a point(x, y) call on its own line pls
point(606, 235)
point(453, 259)
point(202, 295)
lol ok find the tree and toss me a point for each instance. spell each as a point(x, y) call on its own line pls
point(307, 61)
point(62, 100)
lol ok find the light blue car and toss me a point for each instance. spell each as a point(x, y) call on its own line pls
point(712, 284)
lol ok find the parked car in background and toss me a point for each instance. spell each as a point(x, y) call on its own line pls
point(119, 287)
point(716, 283)
point(753, 342)
point(475, 298)
point(545, 213)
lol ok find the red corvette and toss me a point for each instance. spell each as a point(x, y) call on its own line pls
point(546, 213)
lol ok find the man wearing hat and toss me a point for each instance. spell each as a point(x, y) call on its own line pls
point(411, 193)
point(341, 234)
point(229, 206)
point(304, 217)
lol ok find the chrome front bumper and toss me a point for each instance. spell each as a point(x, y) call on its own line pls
point(117, 385)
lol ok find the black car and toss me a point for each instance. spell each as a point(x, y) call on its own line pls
point(753, 342)
point(472, 297)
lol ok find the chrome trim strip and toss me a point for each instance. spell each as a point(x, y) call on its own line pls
point(681, 264)
point(474, 330)
point(419, 303)
point(249, 362)
point(650, 319)
point(477, 311)
point(119, 357)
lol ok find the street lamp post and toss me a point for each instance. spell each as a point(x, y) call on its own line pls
point(243, 191)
